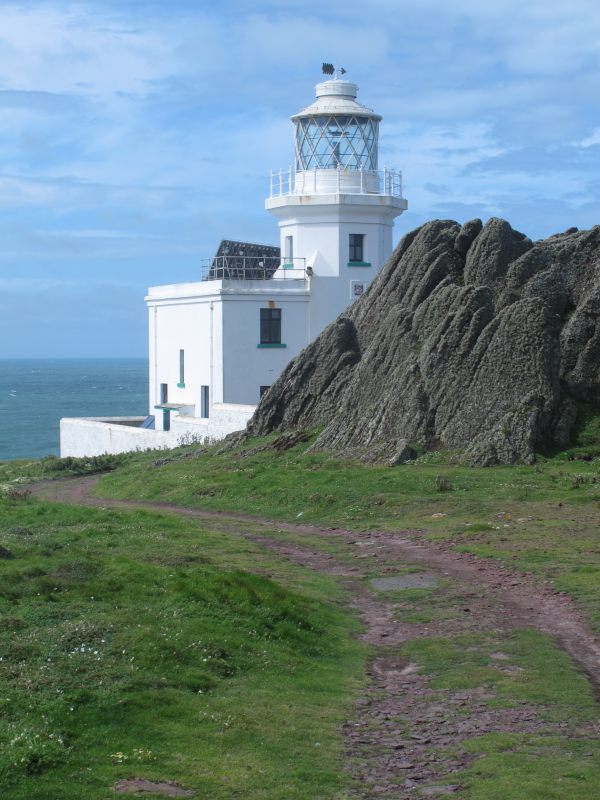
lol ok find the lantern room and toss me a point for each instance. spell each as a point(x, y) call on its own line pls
point(336, 141)
point(336, 132)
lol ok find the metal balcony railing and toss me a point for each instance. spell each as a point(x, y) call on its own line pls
point(341, 180)
point(252, 268)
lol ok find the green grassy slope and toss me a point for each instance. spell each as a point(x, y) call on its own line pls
point(543, 518)
point(108, 617)
point(141, 644)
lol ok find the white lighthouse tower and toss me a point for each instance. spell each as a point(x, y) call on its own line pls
point(335, 207)
point(218, 343)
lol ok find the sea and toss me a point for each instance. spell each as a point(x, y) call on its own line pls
point(36, 393)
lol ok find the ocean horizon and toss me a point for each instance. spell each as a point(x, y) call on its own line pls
point(36, 392)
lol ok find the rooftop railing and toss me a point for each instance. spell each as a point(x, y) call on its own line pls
point(252, 268)
point(341, 180)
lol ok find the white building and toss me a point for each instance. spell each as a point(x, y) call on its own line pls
point(216, 344)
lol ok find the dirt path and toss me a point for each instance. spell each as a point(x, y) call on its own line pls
point(404, 740)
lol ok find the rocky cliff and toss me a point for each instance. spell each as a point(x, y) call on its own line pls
point(472, 338)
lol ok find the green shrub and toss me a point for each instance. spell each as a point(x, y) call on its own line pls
point(88, 465)
point(442, 484)
point(16, 492)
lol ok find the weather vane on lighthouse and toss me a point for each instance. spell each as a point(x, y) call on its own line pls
point(329, 69)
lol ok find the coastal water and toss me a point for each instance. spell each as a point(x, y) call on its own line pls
point(35, 394)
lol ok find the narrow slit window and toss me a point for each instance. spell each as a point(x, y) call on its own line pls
point(270, 326)
point(164, 393)
point(182, 369)
point(204, 402)
point(289, 249)
point(356, 247)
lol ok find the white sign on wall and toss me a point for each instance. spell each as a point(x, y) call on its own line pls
point(357, 288)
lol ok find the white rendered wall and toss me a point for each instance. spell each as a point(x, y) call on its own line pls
point(94, 436)
point(217, 324)
point(320, 226)
point(338, 181)
point(246, 365)
point(225, 418)
point(331, 283)
point(181, 319)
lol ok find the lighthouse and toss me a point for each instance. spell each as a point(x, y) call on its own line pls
point(336, 207)
point(218, 343)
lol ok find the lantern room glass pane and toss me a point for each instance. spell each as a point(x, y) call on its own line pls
point(337, 141)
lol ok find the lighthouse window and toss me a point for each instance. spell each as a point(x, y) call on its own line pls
point(270, 326)
point(181, 383)
point(340, 140)
point(204, 402)
point(289, 249)
point(356, 247)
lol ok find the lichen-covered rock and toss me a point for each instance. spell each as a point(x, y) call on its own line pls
point(496, 247)
point(470, 338)
point(467, 235)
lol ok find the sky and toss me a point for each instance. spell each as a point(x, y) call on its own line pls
point(136, 134)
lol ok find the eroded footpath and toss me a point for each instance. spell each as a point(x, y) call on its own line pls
point(427, 613)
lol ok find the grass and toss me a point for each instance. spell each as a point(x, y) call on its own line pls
point(542, 519)
point(522, 669)
point(539, 672)
point(533, 768)
point(155, 595)
point(16, 475)
point(135, 643)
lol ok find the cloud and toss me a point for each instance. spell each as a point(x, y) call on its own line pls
point(57, 48)
point(132, 142)
point(591, 140)
point(45, 102)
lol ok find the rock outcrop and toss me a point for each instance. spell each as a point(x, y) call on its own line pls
point(471, 338)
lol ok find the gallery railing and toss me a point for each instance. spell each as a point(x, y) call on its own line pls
point(253, 268)
point(340, 180)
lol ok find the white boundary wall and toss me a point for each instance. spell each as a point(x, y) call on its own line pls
point(95, 436)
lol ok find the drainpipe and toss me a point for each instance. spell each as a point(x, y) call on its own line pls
point(156, 397)
point(211, 391)
point(310, 296)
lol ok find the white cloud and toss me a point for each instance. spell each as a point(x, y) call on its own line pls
point(76, 49)
point(591, 140)
point(145, 137)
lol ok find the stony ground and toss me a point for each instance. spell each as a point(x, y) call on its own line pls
point(404, 738)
